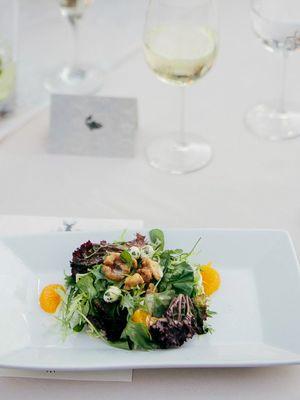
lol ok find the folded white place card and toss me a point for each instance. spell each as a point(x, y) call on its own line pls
point(92, 126)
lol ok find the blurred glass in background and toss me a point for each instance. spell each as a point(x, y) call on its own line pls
point(74, 78)
point(277, 25)
point(8, 50)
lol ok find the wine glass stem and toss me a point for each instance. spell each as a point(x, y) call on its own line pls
point(75, 30)
point(281, 102)
point(182, 131)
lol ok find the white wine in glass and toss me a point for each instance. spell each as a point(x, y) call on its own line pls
point(180, 46)
point(7, 78)
point(181, 66)
point(277, 25)
point(74, 78)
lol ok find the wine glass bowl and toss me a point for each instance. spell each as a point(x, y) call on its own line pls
point(74, 8)
point(7, 78)
point(180, 47)
point(171, 53)
point(277, 25)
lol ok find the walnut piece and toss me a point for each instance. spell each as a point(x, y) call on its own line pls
point(153, 266)
point(146, 274)
point(151, 288)
point(114, 268)
point(133, 281)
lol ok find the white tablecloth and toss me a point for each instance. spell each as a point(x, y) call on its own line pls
point(249, 184)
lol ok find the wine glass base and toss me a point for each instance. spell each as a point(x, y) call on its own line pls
point(170, 156)
point(266, 122)
point(75, 81)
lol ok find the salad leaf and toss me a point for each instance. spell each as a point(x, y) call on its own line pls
point(157, 303)
point(210, 313)
point(96, 271)
point(75, 304)
point(79, 327)
point(120, 344)
point(86, 285)
point(128, 302)
point(168, 257)
point(165, 259)
point(139, 336)
point(100, 286)
point(70, 280)
point(131, 301)
point(157, 238)
point(108, 318)
point(126, 257)
point(179, 277)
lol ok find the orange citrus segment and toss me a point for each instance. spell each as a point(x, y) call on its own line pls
point(211, 279)
point(140, 316)
point(50, 299)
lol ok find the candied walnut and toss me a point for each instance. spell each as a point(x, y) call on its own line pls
point(153, 266)
point(146, 274)
point(133, 281)
point(114, 268)
point(134, 263)
point(151, 288)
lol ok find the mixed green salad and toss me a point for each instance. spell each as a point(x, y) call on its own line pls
point(136, 294)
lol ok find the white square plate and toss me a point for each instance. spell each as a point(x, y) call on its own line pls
point(258, 320)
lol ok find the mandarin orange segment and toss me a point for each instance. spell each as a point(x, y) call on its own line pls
point(50, 299)
point(211, 279)
point(141, 317)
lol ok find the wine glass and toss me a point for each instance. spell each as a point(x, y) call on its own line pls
point(8, 56)
point(74, 78)
point(180, 47)
point(277, 25)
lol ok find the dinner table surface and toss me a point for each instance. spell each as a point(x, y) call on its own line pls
point(249, 183)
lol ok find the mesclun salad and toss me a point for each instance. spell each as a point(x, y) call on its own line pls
point(134, 294)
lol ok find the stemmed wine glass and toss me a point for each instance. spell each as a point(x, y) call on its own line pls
point(74, 78)
point(180, 46)
point(277, 25)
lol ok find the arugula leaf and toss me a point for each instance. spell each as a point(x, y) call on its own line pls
point(179, 277)
point(157, 303)
point(126, 257)
point(157, 238)
point(139, 336)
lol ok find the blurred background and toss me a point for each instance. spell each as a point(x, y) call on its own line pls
point(250, 183)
